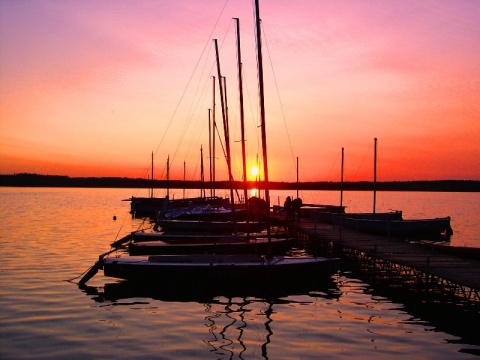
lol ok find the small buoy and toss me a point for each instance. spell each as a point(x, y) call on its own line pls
point(114, 217)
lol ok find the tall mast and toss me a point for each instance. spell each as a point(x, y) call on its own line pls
point(262, 119)
point(375, 175)
point(184, 172)
point(226, 131)
point(214, 126)
point(242, 123)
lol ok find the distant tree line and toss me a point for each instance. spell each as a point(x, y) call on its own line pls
point(36, 180)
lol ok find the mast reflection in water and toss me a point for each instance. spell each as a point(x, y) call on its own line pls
point(239, 320)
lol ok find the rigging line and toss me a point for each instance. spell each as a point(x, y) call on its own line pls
point(199, 127)
point(361, 164)
point(278, 93)
point(164, 171)
point(221, 143)
point(195, 171)
point(190, 79)
point(192, 109)
point(225, 125)
point(190, 115)
point(331, 168)
point(206, 83)
point(252, 116)
point(195, 143)
point(146, 173)
point(226, 159)
point(116, 237)
point(325, 179)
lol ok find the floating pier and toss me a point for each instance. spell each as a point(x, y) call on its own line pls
point(398, 262)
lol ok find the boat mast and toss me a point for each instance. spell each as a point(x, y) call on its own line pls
point(153, 181)
point(258, 178)
point(210, 150)
point(341, 181)
point(202, 176)
point(297, 176)
point(214, 126)
point(262, 119)
point(227, 136)
point(168, 177)
point(184, 167)
point(225, 130)
point(242, 123)
point(375, 175)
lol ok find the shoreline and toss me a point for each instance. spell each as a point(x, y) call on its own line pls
point(36, 180)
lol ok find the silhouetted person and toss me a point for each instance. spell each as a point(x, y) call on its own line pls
point(296, 205)
point(287, 205)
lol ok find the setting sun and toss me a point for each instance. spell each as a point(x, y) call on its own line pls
point(254, 171)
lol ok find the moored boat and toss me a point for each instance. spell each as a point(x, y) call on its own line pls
point(153, 206)
point(188, 237)
point(413, 228)
point(230, 245)
point(331, 218)
point(466, 252)
point(217, 268)
point(147, 206)
point(210, 226)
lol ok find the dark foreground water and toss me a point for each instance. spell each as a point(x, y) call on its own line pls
point(52, 235)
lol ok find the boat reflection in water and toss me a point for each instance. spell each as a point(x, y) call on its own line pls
point(201, 292)
point(238, 319)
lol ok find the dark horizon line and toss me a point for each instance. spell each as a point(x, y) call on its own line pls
point(38, 180)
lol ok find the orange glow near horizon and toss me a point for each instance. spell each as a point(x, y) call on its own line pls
point(405, 73)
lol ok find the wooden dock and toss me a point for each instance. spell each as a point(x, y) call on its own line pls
point(458, 272)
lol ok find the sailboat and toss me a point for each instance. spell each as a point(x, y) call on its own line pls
point(392, 223)
point(144, 206)
point(333, 217)
point(151, 206)
point(236, 268)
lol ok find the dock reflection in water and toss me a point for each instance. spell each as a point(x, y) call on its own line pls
point(238, 321)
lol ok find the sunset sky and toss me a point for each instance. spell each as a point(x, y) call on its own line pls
point(91, 88)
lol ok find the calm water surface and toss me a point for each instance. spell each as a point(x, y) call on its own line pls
point(50, 235)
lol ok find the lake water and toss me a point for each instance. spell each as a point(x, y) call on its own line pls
point(50, 235)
